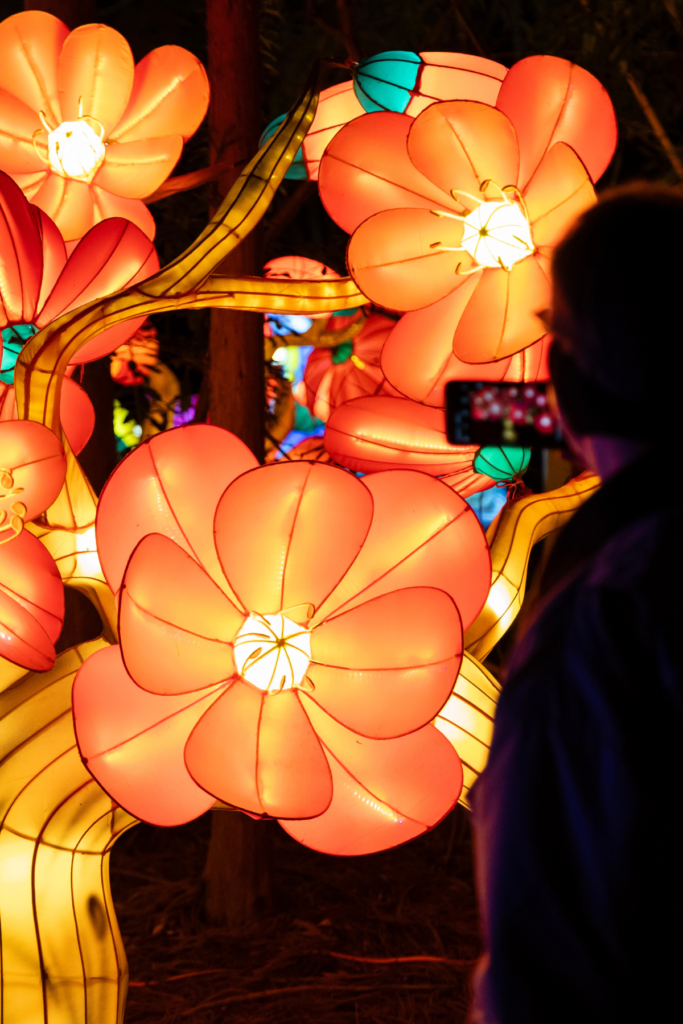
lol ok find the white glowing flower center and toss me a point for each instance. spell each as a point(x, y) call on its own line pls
point(497, 234)
point(272, 652)
point(75, 150)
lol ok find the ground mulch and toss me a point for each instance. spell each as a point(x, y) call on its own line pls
point(314, 956)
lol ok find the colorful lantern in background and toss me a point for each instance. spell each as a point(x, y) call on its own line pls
point(368, 435)
point(351, 370)
point(463, 204)
point(85, 132)
point(263, 664)
point(131, 363)
point(336, 107)
point(407, 82)
point(128, 433)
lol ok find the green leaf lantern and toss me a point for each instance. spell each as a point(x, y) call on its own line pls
point(502, 464)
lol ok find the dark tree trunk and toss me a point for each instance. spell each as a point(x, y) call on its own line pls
point(236, 874)
point(236, 388)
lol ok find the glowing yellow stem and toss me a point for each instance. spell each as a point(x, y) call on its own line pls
point(63, 961)
point(511, 537)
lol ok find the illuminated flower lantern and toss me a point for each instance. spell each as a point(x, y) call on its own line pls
point(86, 133)
point(454, 215)
point(40, 283)
point(376, 433)
point(32, 468)
point(396, 80)
point(288, 634)
point(350, 370)
point(131, 362)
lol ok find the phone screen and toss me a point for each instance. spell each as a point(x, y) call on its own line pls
point(500, 415)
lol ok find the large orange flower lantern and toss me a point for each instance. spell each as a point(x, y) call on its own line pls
point(454, 214)
point(85, 132)
point(288, 634)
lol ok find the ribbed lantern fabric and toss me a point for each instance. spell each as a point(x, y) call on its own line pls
point(31, 603)
point(85, 132)
point(32, 467)
point(371, 434)
point(378, 577)
point(334, 376)
point(386, 175)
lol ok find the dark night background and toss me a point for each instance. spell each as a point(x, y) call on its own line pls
point(417, 900)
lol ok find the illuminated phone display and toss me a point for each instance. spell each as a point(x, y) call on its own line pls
point(504, 415)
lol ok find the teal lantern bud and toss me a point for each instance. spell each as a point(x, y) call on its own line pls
point(13, 340)
point(387, 80)
point(502, 464)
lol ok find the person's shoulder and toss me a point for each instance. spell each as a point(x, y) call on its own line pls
point(648, 549)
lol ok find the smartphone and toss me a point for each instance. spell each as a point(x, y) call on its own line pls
point(501, 415)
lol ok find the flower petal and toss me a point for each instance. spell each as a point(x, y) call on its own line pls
point(500, 318)
point(76, 414)
point(366, 169)
point(396, 258)
point(17, 125)
point(287, 533)
point(176, 626)
point(260, 753)
point(169, 485)
point(54, 257)
point(386, 667)
point(23, 641)
point(382, 432)
point(105, 205)
point(107, 259)
point(549, 100)
point(68, 203)
point(559, 191)
point(21, 247)
point(170, 96)
point(136, 169)
point(133, 741)
point(337, 105)
point(96, 70)
point(463, 143)
point(422, 534)
point(30, 581)
point(385, 791)
point(418, 357)
point(450, 76)
point(30, 45)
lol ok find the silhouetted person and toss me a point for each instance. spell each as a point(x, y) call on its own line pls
point(579, 812)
